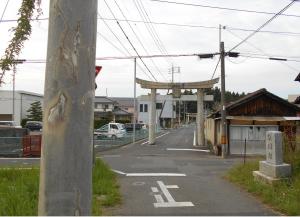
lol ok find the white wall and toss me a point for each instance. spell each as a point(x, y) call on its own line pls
point(22, 103)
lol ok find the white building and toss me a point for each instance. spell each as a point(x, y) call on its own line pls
point(168, 113)
point(22, 101)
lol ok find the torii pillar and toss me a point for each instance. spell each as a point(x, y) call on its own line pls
point(200, 117)
point(200, 86)
point(152, 117)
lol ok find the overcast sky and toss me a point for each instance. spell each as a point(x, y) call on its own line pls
point(243, 74)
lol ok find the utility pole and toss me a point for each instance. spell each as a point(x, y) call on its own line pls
point(172, 72)
point(223, 111)
point(66, 158)
point(14, 85)
point(13, 98)
point(134, 101)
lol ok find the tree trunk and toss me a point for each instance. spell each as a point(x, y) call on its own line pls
point(66, 161)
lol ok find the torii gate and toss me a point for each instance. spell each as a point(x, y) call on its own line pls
point(176, 87)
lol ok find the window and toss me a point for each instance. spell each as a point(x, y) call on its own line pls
point(141, 108)
point(106, 106)
point(158, 105)
point(113, 126)
point(146, 108)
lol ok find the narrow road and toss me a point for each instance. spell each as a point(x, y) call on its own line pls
point(172, 178)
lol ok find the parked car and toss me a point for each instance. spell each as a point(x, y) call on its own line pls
point(10, 124)
point(111, 130)
point(129, 127)
point(34, 125)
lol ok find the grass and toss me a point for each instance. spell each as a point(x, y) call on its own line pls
point(283, 196)
point(19, 190)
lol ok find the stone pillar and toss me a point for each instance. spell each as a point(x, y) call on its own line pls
point(152, 117)
point(273, 168)
point(200, 117)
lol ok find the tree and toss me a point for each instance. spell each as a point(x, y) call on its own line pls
point(35, 111)
point(21, 33)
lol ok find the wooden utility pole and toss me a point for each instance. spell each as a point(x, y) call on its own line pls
point(223, 111)
point(66, 159)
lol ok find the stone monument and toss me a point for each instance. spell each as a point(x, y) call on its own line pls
point(273, 168)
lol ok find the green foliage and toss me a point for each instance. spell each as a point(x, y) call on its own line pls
point(21, 34)
point(100, 123)
point(35, 111)
point(105, 188)
point(23, 122)
point(19, 190)
point(284, 196)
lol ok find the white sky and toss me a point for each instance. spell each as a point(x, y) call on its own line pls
point(242, 74)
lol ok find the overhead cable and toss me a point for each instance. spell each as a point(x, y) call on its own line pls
point(263, 25)
point(225, 8)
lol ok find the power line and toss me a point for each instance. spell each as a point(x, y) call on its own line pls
point(130, 41)
point(141, 43)
point(149, 28)
point(153, 29)
point(124, 53)
point(262, 26)
point(225, 8)
point(269, 58)
point(286, 33)
point(216, 68)
point(259, 49)
point(4, 10)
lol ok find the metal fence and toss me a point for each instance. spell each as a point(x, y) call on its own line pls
point(104, 143)
point(31, 145)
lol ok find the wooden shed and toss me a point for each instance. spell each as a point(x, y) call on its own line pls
point(249, 118)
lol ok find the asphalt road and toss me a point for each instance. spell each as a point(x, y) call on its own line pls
point(163, 180)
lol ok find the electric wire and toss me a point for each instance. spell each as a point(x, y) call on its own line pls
point(130, 42)
point(224, 8)
point(149, 29)
point(4, 11)
point(139, 40)
point(286, 33)
point(260, 50)
point(153, 28)
point(263, 25)
point(216, 68)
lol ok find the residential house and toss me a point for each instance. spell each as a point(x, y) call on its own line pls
point(248, 120)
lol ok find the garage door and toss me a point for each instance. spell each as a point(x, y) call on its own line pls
point(255, 139)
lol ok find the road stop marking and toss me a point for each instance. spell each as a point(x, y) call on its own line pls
point(170, 200)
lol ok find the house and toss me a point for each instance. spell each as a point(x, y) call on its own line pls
point(21, 103)
point(166, 108)
point(108, 108)
point(249, 118)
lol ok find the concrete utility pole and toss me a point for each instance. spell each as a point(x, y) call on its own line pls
point(66, 160)
point(134, 101)
point(223, 111)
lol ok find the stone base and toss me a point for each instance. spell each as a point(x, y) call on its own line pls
point(258, 176)
point(275, 171)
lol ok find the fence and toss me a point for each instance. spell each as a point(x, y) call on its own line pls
point(30, 145)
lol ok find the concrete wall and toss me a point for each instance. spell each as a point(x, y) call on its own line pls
point(210, 130)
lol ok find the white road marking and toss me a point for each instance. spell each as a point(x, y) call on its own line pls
point(187, 149)
point(155, 174)
point(154, 189)
point(170, 200)
point(159, 198)
point(149, 174)
point(156, 138)
point(18, 168)
point(119, 172)
point(19, 158)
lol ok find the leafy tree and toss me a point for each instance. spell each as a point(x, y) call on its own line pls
point(35, 111)
point(21, 33)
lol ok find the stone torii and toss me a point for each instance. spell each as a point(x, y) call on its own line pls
point(176, 88)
